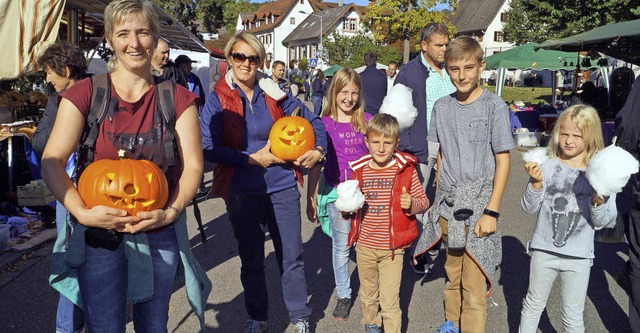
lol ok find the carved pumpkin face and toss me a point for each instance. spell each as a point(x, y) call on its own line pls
point(131, 185)
point(291, 137)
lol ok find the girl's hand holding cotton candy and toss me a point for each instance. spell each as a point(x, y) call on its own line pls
point(350, 198)
point(609, 170)
point(536, 155)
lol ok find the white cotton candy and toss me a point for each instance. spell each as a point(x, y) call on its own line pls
point(350, 198)
point(609, 170)
point(536, 155)
point(399, 104)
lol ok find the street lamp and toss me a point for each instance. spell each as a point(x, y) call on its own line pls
point(319, 45)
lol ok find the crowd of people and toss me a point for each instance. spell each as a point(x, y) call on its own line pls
point(437, 183)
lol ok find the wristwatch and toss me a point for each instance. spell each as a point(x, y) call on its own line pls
point(322, 152)
point(491, 213)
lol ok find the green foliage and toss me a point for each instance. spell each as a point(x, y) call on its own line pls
point(184, 11)
point(303, 64)
point(233, 8)
point(394, 20)
point(349, 51)
point(213, 13)
point(539, 20)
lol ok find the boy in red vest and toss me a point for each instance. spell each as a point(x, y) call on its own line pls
point(386, 224)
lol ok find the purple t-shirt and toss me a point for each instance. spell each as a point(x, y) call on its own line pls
point(344, 145)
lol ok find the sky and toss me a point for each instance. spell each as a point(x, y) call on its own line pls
point(357, 2)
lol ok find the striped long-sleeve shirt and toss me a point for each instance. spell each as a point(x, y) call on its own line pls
point(377, 187)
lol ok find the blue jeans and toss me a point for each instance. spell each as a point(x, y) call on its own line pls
point(251, 216)
point(317, 104)
point(103, 285)
point(340, 250)
point(69, 317)
point(574, 275)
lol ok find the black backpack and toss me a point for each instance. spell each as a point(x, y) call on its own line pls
point(103, 106)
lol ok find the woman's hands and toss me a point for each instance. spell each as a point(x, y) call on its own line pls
point(308, 159)
point(117, 219)
point(263, 157)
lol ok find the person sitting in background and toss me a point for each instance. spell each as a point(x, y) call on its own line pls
point(64, 64)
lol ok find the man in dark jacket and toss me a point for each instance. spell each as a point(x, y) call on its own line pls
point(374, 84)
point(162, 67)
point(194, 84)
point(428, 80)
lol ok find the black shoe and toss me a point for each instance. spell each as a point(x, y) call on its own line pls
point(421, 265)
point(341, 312)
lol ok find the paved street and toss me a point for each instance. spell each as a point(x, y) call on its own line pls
point(28, 304)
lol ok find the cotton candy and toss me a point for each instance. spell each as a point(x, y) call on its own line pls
point(399, 104)
point(609, 170)
point(350, 198)
point(536, 155)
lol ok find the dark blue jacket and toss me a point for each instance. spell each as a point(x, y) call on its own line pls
point(413, 140)
point(374, 88)
point(252, 179)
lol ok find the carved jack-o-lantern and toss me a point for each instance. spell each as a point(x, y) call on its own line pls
point(131, 185)
point(291, 137)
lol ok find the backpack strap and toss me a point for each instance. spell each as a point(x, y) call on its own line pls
point(165, 93)
point(101, 106)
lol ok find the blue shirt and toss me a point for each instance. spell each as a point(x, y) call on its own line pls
point(436, 87)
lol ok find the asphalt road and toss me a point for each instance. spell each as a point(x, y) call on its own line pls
point(28, 304)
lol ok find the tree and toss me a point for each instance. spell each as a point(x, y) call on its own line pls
point(394, 20)
point(214, 13)
point(539, 20)
point(233, 8)
point(349, 51)
point(184, 11)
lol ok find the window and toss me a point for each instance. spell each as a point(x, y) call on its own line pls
point(498, 36)
point(261, 39)
point(349, 24)
point(269, 39)
point(503, 17)
point(292, 21)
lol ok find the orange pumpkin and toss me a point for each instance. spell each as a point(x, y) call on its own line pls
point(291, 137)
point(131, 185)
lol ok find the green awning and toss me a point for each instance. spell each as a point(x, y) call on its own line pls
point(526, 57)
point(618, 40)
point(330, 71)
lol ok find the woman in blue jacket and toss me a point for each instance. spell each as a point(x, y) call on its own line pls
point(259, 189)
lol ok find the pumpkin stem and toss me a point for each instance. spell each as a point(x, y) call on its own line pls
point(122, 154)
point(295, 112)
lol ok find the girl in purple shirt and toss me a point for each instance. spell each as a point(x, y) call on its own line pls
point(345, 121)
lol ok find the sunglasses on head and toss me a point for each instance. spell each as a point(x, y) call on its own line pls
point(241, 58)
point(431, 28)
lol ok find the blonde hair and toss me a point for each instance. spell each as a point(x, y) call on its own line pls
point(341, 79)
point(463, 48)
point(385, 125)
point(119, 10)
point(249, 39)
point(586, 120)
